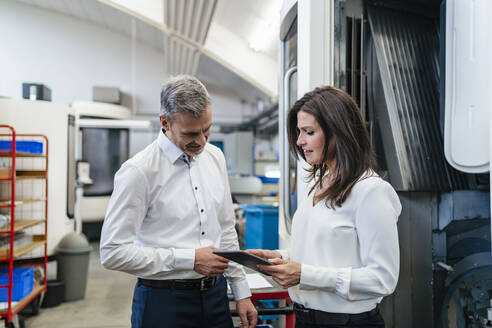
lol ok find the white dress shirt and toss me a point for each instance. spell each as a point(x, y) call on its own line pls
point(165, 206)
point(349, 256)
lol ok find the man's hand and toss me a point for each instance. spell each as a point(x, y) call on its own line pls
point(284, 273)
point(265, 253)
point(209, 264)
point(247, 312)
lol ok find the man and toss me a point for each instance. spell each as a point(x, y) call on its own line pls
point(170, 208)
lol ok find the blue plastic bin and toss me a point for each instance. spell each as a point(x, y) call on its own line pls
point(267, 179)
point(261, 226)
point(32, 147)
point(268, 304)
point(23, 281)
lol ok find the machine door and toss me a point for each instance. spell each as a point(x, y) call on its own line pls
point(287, 97)
point(105, 150)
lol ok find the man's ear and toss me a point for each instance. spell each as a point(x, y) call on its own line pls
point(166, 125)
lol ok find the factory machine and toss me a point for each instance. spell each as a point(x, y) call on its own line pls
point(103, 142)
point(421, 74)
point(57, 123)
point(92, 132)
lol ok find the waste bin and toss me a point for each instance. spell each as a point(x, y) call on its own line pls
point(261, 226)
point(73, 253)
point(55, 293)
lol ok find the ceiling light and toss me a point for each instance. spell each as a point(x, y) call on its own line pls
point(267, 28)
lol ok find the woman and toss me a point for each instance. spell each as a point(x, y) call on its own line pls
point(344, 254)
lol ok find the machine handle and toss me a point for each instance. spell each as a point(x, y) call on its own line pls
point(285, 158)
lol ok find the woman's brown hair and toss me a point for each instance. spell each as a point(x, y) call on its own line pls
point(339, 117)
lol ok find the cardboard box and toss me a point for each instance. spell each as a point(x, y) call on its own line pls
point(5, 173)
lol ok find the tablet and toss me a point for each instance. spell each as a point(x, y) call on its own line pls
point(243, 258)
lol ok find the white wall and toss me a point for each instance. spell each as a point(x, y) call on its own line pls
point(226, 108)
point(71, 55)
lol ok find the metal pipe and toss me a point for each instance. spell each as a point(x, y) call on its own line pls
point(353, 58)
point(280, 310)
point(445, 266)
point(362, 71)
point(134, 65)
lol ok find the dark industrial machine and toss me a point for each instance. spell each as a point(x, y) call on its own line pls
point(390, 56)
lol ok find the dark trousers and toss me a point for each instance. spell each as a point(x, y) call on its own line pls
point(308, 318)
point(170, 308)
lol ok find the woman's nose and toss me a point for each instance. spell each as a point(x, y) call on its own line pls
point(300, 141)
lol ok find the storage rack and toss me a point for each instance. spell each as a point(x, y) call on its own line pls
point(10, 176)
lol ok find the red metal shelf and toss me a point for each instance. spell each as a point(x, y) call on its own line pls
point(8, 254)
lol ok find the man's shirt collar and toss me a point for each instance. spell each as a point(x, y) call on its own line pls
point(171, 151)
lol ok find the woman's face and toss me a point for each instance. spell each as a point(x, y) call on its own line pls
point(311, 137)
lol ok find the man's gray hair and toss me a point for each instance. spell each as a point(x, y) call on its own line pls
point(184, 94)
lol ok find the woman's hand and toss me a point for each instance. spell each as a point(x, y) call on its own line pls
point(285, 273)
point(265, 253)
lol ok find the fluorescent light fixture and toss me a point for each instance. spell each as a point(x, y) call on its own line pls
point(113, 124)
point(272, 174)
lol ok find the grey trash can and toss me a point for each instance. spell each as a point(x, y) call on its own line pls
point(73, 253)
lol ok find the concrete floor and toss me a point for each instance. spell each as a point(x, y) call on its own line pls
point(107, 302)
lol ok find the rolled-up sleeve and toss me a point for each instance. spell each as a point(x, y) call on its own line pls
point(376, 225)
point(124, 216)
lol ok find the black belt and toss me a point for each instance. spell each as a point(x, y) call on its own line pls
point(316, 316)
point(202, 284)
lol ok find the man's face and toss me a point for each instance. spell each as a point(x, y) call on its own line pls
point(188, 132)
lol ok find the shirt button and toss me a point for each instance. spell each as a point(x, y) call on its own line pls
point(203, 233)
point(196, 188)
point(201, 210)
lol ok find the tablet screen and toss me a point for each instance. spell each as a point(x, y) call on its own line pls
point(243, 258)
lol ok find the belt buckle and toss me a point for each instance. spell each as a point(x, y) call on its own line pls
point(202, 285)
point(300, 308)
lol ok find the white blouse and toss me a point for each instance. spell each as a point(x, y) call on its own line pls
point(349, 255)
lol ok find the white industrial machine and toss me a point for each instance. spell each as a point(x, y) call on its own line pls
point(467, 85)
point(57, 122)
point(98, 131)
point(103, 141)
point(305, 62)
